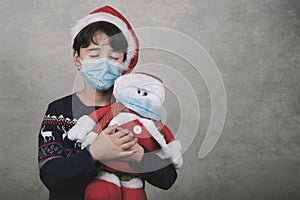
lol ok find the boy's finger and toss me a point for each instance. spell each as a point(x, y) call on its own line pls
point(125, 130)
point(127, 153)
point(122, 133)
point(110, 129)
point(128, 145)
point(126, 138)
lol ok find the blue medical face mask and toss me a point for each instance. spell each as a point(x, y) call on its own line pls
point(141, 106)
point(100, 74)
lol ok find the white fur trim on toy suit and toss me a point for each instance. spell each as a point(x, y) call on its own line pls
point(84, 125)
point(133, 183)
point(112, 178)
point(172, 151)
point(154, 132)
point(123, 118)
point(102, 16)
point(109, 177)
point(128, 84)
point(88, 139)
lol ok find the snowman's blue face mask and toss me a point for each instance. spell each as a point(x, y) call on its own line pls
point(140, 105)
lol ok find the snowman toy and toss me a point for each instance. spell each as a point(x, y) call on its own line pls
point(138, 97)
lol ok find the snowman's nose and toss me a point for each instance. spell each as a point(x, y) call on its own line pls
point(142, 92)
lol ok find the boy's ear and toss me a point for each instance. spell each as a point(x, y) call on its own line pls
point(76, 59)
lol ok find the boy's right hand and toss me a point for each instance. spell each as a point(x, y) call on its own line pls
point(108, 146)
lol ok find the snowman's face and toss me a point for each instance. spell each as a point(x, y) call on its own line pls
point(140, 85)
point(151, 91)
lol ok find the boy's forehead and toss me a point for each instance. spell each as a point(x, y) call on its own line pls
point(102, 46)
point(100, 36)
point(95, 47)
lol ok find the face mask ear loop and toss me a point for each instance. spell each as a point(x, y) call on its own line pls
point(123, 66)
point(78, 68)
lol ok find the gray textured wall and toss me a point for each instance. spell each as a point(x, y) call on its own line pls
point(255, 44)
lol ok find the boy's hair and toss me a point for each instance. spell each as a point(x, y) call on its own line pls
point(117, 39)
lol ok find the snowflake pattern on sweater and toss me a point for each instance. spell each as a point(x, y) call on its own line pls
point(52, 136)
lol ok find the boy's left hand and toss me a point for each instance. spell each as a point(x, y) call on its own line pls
point(138, 156)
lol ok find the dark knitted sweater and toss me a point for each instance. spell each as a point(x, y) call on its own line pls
point(65, 169)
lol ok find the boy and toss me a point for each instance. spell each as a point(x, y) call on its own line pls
point(64, 168)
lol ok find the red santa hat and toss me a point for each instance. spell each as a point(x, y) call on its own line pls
point(109, 14)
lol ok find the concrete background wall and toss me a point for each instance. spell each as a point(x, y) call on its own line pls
point(256, 47)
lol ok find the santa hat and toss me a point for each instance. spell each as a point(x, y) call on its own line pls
point(109, 14)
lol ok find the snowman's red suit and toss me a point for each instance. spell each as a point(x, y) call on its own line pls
point(142, 122)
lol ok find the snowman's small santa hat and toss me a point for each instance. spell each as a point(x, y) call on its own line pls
point(109, 14)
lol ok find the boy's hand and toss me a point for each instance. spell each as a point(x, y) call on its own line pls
point(111, 144)
point(137, 156)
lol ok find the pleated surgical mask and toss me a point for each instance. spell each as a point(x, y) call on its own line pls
point(100, 74)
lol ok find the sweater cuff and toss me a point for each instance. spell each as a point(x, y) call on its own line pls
point(150, 162)
point(97, 164)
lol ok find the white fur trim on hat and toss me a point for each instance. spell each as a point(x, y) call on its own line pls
point(83, 126)
point(103, 16)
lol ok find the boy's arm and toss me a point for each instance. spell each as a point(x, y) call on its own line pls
point(156, 171)
point(57, 171)
point(69, 173)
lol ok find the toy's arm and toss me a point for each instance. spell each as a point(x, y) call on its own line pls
point(170, 148)
point(172, 151)
point(85, 125)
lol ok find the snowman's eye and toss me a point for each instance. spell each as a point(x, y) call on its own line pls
point(145, 93)
point(139, 91)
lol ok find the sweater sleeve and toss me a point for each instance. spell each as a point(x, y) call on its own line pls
point(59, 171)
point(156, 171)
point(69, 173)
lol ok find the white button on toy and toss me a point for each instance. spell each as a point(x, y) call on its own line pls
point(137, 129)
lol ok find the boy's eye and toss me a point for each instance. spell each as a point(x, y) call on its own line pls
point(113, 58)
point(94, 56)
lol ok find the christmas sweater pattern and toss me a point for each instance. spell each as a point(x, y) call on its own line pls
point(52, 135)
point(53, 142)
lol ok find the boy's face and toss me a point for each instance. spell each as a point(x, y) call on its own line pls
point(99, 50)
